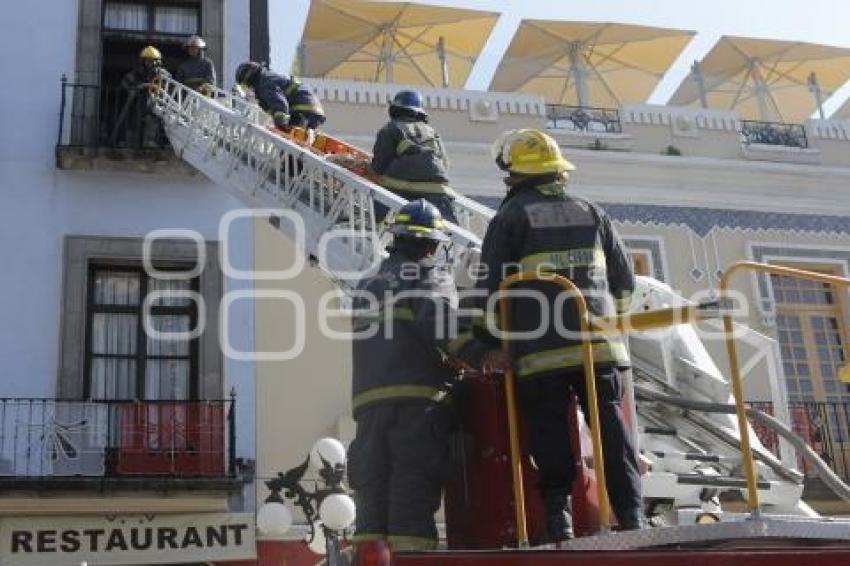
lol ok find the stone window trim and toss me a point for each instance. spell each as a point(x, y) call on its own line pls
point(80, 252)
point(653, 248)
point(791, 254)
point(89, 36)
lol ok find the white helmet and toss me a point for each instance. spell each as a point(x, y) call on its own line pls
point(196, 41)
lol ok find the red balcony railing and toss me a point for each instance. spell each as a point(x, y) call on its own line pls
point(824, 427)
point(59, 438)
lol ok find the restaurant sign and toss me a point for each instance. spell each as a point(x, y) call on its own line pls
point(126, 539)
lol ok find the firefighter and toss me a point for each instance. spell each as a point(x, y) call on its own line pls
point(143, 127)
point(409, 156)
point(541, 227)
point(198, 71)
point(399, 458)
point(289, 104)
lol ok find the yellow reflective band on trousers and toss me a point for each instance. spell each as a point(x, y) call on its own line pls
point(569, 357)
point(422, 187)
point(396, 313)
point(399, 543)
point(389, 392)
point(564, 259)
point(367, 537)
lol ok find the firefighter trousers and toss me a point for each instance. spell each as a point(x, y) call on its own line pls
point(397, 465)
point(545, 405)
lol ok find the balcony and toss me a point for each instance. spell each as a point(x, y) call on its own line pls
point(120, 443)
point(774, 133)
point(824, 427)
point(107, 128)
point(583, 119)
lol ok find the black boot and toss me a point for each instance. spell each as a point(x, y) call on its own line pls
point(631, 522)
point(559, 519)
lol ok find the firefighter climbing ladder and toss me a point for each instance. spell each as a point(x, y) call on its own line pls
point(330, 211)
point(327, 209)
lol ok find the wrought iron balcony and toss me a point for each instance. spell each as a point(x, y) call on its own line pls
point(113, 439)
point(824, 427)
point(583, 119)
point(92, 116)
point(774, 133)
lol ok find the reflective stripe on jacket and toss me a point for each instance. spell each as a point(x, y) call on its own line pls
point(405, 318)
point(539, 227)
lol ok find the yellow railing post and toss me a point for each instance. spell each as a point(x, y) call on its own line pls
point(592, 402)
point(735, 371)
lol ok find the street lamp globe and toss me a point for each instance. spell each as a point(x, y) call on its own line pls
point(337, 511)
point(274, 518)
point(327, 450)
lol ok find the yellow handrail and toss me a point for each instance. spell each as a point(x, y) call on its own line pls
point(592, 402)
point(735, 371)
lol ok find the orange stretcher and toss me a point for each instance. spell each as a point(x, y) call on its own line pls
point(334, 149)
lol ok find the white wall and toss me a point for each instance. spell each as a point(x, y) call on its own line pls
point(40, 205)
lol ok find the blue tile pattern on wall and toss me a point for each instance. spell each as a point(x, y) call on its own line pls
point(702, 220)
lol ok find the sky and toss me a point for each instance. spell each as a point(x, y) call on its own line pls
point(816, 21)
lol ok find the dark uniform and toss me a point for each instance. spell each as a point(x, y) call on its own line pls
point(539, 227)
point(398, 461)
point(142, 126)
point(410, 157)
point(197, 73)
point(287, 101)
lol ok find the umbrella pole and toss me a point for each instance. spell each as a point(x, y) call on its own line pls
point(696, 70)
point(444, 62)
point(814, 88)
point(579, 72)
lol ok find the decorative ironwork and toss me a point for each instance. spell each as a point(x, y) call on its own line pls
point(583, 119)
point(92, 116)
point(289, 485)
point(58, 438)
point(824, 427)
point(774, 133)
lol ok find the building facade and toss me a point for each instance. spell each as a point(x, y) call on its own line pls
point(126, 436)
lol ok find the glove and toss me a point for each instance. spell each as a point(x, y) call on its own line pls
point(281, 119)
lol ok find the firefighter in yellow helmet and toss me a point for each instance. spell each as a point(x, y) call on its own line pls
point(541, 227)
point(142, 127)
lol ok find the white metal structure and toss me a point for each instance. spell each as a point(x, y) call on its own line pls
point(330, 211)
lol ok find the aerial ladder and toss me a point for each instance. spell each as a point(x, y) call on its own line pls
point(690, 443)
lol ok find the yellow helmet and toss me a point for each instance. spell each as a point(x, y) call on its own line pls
point(529, 152)
point(150, 52)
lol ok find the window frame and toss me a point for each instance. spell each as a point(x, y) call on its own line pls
point(119, 252)
point(150, 33)
point(141, 356)
point(805, 312)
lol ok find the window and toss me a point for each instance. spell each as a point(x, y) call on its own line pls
point(148, 18)
point(812, 339)
point(122, 361)
point(104, 351)
point(642, 263)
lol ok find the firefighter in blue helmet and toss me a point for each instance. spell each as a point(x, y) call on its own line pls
point(409, 155)
point(290, 104)
point(541, 227)
point(404, 318)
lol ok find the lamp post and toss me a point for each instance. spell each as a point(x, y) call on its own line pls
point(328, 508)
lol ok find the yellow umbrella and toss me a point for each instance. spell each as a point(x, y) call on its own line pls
point(397, 42)
point(765, 79)
point(588, 63)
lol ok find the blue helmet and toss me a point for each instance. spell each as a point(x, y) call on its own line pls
point(421, 220)
point(409, 100)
